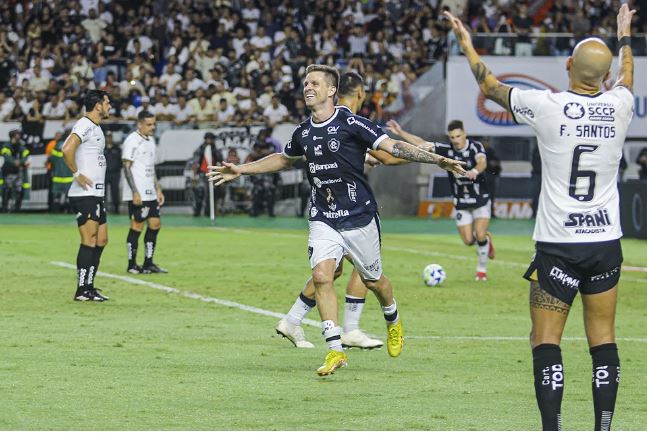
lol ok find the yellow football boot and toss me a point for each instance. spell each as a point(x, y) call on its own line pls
point(333, 361)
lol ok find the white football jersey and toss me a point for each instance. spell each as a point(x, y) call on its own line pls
point(89, 158)
point(580, 139)
point(141, 151)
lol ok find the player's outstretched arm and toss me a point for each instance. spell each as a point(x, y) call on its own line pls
point(491, 87)
point(625, 57)
point(227, 172)
point(401, 149)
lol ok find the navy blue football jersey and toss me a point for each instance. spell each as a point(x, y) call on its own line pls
point(468, 194)
point(335, 151)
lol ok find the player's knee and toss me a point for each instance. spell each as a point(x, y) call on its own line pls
point(321, 277)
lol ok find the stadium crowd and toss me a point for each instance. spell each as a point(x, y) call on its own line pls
point(195, 62)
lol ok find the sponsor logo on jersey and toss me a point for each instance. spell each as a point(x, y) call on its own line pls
point(353, 121)
point(574, 110)
point(352, 191)
point(315, 138)
point(589, 223)
point(321, 167)
point(524, 111)
point(318, 182)
point(305, 133)
point(561, 276)
point(313, 212)
point(317, 150)
point(330, 199)
point(333, 144)
point(332, 130)
point(337, 214)
point(601, 111)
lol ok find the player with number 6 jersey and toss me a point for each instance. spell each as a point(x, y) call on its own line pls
point(580, 134)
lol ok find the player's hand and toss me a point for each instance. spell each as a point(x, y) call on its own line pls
point(84, 181)
point(137, 199)
point(160, 197)
point(428, 146)
point(371, 161)
point(624, 21)
point(452, 166)
point(394, 127)
point(219, 174)
point(472, 174)
point(461, 32)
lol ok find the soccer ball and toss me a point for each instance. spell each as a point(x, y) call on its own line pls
point(433, 275)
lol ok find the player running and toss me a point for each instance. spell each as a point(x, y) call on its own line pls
point(471, 195)
point(351, 97)
point(142, 192)
point(580, 134)
point(83, 154)
point(343, 216)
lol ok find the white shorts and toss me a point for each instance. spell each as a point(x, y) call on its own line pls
point(467, 216)
point(362, 245)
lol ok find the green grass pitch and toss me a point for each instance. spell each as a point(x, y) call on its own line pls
point(153, 360)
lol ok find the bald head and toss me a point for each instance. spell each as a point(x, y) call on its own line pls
point(590, 62)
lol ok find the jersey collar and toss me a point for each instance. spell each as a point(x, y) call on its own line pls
point(322, 124)
point(344, 107)
point(586, 95)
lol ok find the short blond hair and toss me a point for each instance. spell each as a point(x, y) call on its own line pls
point(331, 73)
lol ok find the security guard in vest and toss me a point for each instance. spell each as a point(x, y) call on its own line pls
point(61, 176)
point(14, 177)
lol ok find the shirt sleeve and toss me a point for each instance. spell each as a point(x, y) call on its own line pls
point(480, 150)
point(82, 130)
point(626, 101)
point(128, 151)
point(366, 131)
point(442, 149)
point(525, 105)
point(294, 148)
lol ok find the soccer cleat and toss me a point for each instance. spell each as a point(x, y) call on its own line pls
point(333, 361)
point(490, 252)
point(395, 338)
point(90, 295)
point(134, 269)
point(481, 276)
point(294, 333)
point(357, 338)
point(153, 269)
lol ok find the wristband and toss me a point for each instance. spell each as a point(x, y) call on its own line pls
point(75, 174)
point(624, 41)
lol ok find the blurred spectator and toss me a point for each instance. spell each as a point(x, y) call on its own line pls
point(14, 175)
point(522, 24)
point(112, 152)
point(641, 160)
point(275, 112)
point(200, 183)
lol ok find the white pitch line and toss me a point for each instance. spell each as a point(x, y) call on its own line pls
point(251, 309)
point(191, 295)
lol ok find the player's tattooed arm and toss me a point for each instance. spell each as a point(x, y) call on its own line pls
point(409, 152)
point(492, 88)
point(129, 175)
point(542, 300)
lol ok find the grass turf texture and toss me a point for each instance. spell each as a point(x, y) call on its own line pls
point(147, 360)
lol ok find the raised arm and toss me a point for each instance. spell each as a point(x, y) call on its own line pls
point(270, 164)
point(492, 88)
point(625, 57)
point(401, 149)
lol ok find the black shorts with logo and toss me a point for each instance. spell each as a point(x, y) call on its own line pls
point(89, 208)
point(564, 269)
point(148, 209)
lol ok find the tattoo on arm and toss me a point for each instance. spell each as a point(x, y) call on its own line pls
point(542, 300)
point(129, 178)
point(626, 72)
point(497, 92)
point(412, 153)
